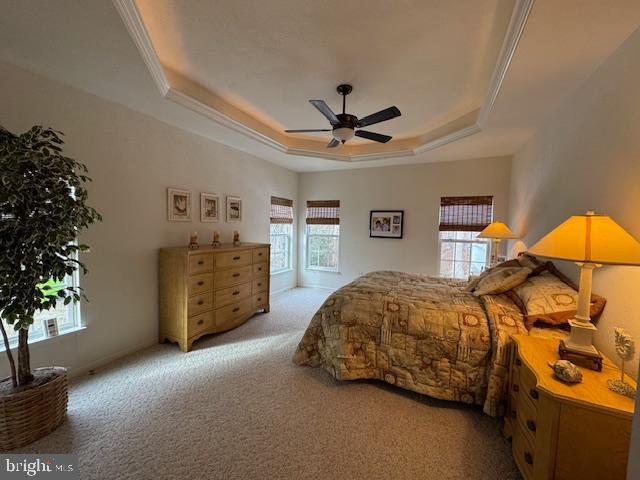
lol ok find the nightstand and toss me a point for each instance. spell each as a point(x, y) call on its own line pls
point(561, 431)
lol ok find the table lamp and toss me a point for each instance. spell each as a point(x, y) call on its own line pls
point(496, 231)
point(590, 241)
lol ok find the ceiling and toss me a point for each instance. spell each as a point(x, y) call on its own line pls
point(472, 78)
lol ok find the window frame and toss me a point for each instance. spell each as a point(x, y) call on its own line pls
point(308, 245)
point(289, 251)
point(454, 241)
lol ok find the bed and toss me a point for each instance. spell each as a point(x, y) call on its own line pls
point(425, 334)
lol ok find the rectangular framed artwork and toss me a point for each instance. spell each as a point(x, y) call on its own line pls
point(386, 223)
point(234, 209)
point(209, 207)
point(178, 205)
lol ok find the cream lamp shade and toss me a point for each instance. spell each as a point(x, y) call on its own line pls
point(589, 238)
point(497, 230)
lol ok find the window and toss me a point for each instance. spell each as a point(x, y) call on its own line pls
point(281, 234)
point(67, 316)
point(461, 219)
point(323, 234)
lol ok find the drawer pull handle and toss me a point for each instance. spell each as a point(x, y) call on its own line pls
point(200, 262)
point(200, 322)
point(518, 362)
point(259, 269)
point(236, 258)
point(236, 309)
point(260, 254)
point(200, 283)
point(534, 393)
point(259, 284)
point(200, 302)
point(514, 413)
point(531, 425)
point(528, 458)
point(236, 275)
point(515, 387)
point(236, 293)
point(259, 299)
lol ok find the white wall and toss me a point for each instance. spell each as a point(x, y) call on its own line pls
point(588, 157)
point(416, 189)
point(132, 159)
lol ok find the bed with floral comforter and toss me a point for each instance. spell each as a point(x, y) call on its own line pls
point(421, 333)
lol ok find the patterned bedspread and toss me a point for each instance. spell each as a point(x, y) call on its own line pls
point(420, 333)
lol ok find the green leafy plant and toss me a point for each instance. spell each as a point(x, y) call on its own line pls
point(42, 211)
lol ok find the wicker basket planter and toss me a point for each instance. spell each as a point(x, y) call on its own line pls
point(31, 414)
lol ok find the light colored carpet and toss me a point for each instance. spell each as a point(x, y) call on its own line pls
point(237, 408)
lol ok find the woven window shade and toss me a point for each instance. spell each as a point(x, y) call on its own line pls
point(469, 214)
point(323, 212)
point(281, 210)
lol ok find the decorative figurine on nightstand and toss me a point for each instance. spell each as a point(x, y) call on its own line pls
point(566, 371)
point(236, 238)
point(216, 239)
point(193, 241)
point(625, 348)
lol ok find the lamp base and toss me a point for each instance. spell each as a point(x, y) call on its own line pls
point(591, 359)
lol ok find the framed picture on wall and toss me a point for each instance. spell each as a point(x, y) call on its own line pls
point(209, 207)
point(386, 223)
point(234, 209)
point(178, 205)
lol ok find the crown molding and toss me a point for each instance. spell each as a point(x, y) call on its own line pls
point(135, 25)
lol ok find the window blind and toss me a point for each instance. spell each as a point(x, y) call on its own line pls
point(323, 212)
point(281, 210)
point(470, 214)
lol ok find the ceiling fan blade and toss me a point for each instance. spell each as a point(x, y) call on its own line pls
point(376, 137)
point(333, 143)
point(309, 130)
point(381, 116)
point(325, 110)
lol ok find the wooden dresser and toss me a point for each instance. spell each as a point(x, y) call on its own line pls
point(211, 290)
point(561, 431)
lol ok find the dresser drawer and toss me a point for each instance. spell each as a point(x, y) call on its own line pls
point(200, 283)
point(200, 263)
point(260, 300)
point(199, 323)
point(260, 269)
point(233, 315)
point(260, 254)
point(232, 276)
point(523, 452)
point(528, 384)
point(200, 303)
point(259, 285)
point(233, 294)
point(232, 259)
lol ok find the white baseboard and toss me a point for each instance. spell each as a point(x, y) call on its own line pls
point(321, 287)
point(101, 362)
point(275, 293)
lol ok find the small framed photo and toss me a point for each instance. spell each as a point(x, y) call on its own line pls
point(234, 209)
point(209, 207)
point(178, 205)
point(386, 223)
point(51, 327)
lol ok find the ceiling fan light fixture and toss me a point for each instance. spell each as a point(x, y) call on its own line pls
point(342, 134)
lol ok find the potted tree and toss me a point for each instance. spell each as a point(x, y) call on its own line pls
point(42, 211)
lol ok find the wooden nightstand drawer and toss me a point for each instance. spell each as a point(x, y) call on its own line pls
point(523, 452)
point(260, 254)
point(200, 303)
point(200, 283)
point(528, 385)
point(230, 295)
point(232, 276)
point(527, 415)
point(200, 263)
point(200, 323)
point(260, 300)
point(260, 269)
point(233, 259)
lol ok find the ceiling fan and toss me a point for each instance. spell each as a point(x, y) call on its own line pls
point(344, 125)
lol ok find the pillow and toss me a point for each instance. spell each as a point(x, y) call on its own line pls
point(529, 261)
point(549, 299)
point(474, 280)
point(501, 280)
